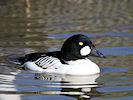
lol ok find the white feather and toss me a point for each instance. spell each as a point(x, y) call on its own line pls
point(85, 51)
point(32, 67)
point(78, 67)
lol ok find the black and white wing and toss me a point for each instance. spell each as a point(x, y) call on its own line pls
point(48, 62)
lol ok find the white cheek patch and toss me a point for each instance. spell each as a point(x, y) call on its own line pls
point(85, 51)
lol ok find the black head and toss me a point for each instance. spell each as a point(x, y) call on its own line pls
point(78, 47)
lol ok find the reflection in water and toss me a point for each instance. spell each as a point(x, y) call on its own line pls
point(7, 87)
point(80, 86)
point(28, 15)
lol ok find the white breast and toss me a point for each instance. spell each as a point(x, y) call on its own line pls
point(82, 67)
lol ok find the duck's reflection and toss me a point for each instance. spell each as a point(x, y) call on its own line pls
point(75, 86)
point(7, 88)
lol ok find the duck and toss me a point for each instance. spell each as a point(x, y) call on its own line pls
point(71, 59)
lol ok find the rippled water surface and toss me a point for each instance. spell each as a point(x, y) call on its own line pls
point(28, 26)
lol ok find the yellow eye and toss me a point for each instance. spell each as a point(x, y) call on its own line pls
point(81, 43)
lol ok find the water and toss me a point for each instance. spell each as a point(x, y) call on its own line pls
point(29, 26)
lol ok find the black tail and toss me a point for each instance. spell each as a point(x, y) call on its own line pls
point(15, 60)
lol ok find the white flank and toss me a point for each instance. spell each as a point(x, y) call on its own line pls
point(78, 67)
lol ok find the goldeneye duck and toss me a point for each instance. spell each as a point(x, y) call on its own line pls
point(72, 59)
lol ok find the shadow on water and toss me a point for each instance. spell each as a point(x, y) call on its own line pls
point(29, 26)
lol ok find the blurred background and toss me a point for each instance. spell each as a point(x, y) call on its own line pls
point(28, 26)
